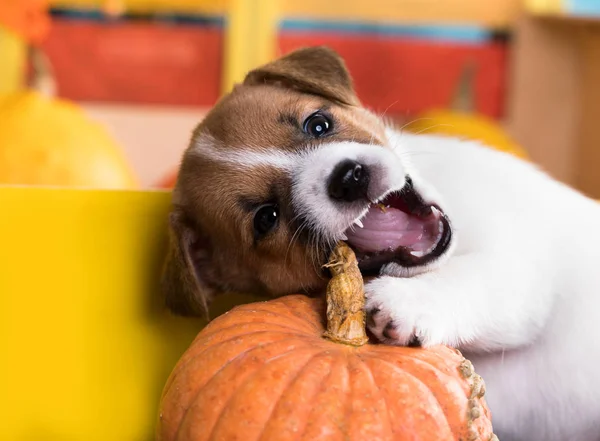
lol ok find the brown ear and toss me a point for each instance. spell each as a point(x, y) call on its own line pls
point(316, 70)
point(187, 261)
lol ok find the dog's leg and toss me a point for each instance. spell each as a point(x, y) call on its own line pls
point(473, 302)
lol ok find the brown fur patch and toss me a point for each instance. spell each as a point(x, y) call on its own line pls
point(270, 116)
point(216, 199)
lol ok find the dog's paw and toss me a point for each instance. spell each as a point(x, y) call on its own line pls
point(401, 312)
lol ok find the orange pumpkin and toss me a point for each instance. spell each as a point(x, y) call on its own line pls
point(265, 371)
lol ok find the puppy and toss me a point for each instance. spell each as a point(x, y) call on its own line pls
point(467, 246)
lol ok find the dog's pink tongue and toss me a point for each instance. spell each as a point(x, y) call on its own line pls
point(389, 230)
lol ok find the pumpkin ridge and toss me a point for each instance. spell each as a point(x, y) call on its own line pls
point(221, 369)
point(301, 323)
point(359, 368)
point(424, 365)
point(293, 380)
point(298, 320)
point(252, 347)
point(303, 314)
point(428, 364)
point(289, 300)
point(445, 360)
point(183, 364)
point(418, 380)
point(249, 377)
point(204, 335)
point(414, 361)
point(379, 392)
point(234, 327)
point(343, 366)
point(325, 381)
point(325, 355)
point(423, 356)
point(266, 328)
point(308, 311)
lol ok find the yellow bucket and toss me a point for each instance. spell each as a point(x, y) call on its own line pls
point(85, 341)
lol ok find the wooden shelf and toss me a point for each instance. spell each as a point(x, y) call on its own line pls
point(555, 98)
point(578, 11)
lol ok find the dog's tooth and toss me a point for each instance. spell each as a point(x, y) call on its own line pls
point(417, 253)
point(343, 237)
point(435, 210)
point(359, 223)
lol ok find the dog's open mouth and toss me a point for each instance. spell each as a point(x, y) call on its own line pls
point(400, 228)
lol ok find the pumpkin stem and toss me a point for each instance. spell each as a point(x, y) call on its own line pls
point(464, 94)
point(345, 299)
point(43, 78)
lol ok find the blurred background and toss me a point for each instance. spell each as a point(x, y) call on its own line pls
point(524, 71)
point(102, 95)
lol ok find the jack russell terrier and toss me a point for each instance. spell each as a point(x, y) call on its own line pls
point(461, 245)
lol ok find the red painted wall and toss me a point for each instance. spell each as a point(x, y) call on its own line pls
point(408, 76)
point(165, 64)
point(136, 62)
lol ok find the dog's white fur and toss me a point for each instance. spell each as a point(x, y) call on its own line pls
point(245, 157)
point(519, 294)
point(313, 169)
point(517, 291)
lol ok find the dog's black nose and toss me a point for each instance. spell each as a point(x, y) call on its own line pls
point(349, 181)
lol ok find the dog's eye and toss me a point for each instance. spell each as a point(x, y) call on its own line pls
point(265, 219)
point(317, 125)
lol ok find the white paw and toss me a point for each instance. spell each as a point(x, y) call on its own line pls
point(402, 312)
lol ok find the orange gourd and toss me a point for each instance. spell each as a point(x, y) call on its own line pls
point(168, 181)
point(28, 18)
point(272, 371)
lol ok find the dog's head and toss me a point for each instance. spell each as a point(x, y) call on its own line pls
point(281, 169)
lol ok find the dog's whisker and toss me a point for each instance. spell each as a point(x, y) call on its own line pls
point(313, 245)
point(382, 116)
point(295, 237)
point(318, 239)
point(412, 122)
point(432, 127)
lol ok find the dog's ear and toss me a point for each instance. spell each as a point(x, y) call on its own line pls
point(316, 70)
point(188, 260)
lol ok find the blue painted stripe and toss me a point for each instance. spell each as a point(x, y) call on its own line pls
point(97, 15)
point(584, 8)
point(457, 33)
point(447, 33)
